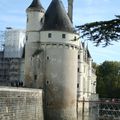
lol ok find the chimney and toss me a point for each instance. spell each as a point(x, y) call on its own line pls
point(70, 10)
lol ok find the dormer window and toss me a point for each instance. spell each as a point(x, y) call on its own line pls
point(49, 35)
point(63, 35)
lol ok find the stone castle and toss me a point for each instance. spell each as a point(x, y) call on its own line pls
point(55, 68)
point(56, 61)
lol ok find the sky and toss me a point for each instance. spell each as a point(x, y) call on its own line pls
point(12, 14)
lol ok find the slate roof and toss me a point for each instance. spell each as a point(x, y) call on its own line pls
point(36, 5)
point(56, 18)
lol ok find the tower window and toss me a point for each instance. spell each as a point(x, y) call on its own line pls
point(78, 85)
point(78, 56)
point(47, 82)
point(75, 38)
point(49, 35)
point(35, 77)
point(78, 70)
point(63, 35)
point(42, 20)
point(48, 57)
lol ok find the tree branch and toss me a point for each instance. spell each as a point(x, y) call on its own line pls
point(101, 32)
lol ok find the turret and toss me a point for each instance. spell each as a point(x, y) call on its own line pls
point(35, 13)
point(35, 20)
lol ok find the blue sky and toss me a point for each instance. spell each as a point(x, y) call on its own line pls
point(12, 14)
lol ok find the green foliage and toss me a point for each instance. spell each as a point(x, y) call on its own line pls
point(108, 79)
point(101, 32)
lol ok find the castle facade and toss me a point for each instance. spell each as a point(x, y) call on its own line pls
point(57, 61)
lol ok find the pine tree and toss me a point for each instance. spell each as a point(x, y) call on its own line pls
point(102, 32)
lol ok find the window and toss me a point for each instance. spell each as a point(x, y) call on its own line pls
point(78, 56)
point(78, 70)
point(75, 38)
point(35, 77)
point(47, 82)
point(63, 36)
point(78, 85)
point(49, 35)
point(48, 58)
point(41, 20)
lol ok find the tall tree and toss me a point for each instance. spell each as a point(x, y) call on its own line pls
point(108, 79)
point(102, 32)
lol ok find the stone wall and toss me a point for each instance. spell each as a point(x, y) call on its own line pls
point(20, 104)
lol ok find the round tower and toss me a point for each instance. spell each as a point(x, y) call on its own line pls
point(35, 20)
point(60, 45)
point(35, 13)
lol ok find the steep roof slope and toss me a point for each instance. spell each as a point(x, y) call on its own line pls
point(56, 18)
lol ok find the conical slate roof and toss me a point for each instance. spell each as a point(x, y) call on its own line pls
point(36, 5)
point(56, 18)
